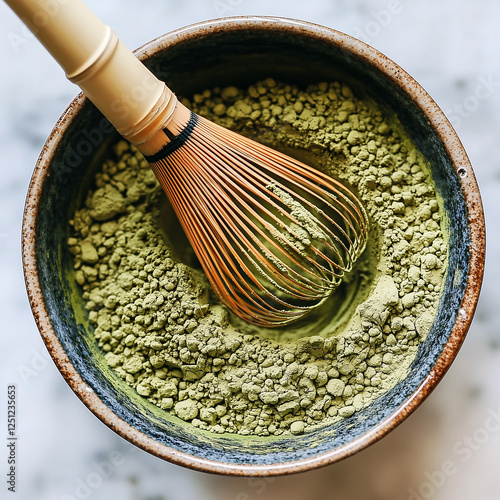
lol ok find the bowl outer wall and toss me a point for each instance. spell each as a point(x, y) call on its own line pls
point(360, 51)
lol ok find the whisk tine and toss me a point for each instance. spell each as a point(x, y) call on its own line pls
point(307, 186)
point(285, 166)
point(255, 180)
point(277, 236)
point(235, 214)
point(274, 236)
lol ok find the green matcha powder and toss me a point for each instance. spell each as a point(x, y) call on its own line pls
point(162, 329)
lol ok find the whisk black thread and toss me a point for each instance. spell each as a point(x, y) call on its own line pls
point(246, 210)
point(176, 141)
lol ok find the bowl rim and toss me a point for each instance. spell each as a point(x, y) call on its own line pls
point(476, 225)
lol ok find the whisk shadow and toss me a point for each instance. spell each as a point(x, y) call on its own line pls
point(175, 236)
point(328, 318)
point(325, 320)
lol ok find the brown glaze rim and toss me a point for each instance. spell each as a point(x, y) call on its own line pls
point(467, 180)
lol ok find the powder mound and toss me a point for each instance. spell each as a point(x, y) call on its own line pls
point(105, 203)
point(159, 326)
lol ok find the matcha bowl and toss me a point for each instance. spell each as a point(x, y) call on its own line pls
point(240, 51)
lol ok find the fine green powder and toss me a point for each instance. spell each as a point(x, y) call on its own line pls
point(161, 327)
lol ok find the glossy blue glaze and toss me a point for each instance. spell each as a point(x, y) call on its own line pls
point(237, 57)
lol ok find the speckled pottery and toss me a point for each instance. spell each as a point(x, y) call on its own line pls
point(239, 51)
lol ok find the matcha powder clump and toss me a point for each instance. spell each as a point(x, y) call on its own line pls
point(161, 328)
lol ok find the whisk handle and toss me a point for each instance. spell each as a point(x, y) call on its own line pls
point(93, 57)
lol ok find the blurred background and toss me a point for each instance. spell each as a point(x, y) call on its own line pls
point(448, 449)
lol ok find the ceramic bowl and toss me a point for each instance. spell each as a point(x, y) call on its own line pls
point(240, 51)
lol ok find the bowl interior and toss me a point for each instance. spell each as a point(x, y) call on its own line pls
point(190, 61)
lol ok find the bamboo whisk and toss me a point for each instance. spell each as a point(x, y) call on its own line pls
point(273, 235)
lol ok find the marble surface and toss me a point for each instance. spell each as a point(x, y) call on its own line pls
point(449, 449)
